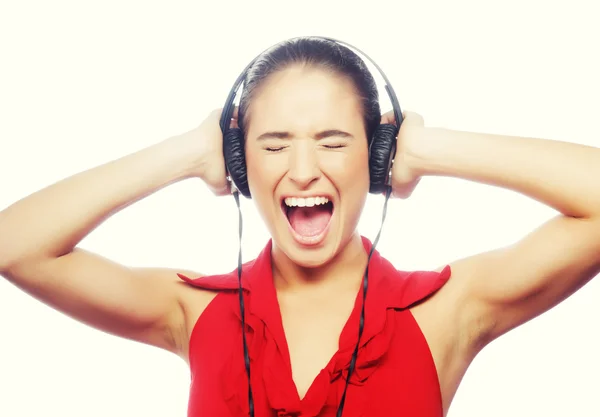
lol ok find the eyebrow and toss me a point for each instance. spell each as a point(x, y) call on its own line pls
point(321, 135)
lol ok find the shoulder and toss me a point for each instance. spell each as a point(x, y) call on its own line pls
point(196, 293)
point(419, 286)
point(441, 319)
point(405, 289)
point(398, 288)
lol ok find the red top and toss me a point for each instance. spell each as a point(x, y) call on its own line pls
point(394, 375)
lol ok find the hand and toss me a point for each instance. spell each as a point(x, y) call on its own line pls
point(404, 177)
point(206, 142)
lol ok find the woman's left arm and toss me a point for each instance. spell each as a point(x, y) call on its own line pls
point(506, 287)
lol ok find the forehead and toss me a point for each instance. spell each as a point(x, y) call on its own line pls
point(305, 99)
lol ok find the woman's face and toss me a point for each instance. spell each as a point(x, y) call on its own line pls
point(307, 159)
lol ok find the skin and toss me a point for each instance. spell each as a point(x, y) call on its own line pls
point(488, 294)
point(305, 163)
point(300, 161)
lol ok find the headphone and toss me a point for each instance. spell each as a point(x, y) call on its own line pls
point(382, 148)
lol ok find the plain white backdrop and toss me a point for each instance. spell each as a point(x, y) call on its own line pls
point(82, 83)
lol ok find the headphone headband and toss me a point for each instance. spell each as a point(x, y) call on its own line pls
point(382, 149)
point(229, 104)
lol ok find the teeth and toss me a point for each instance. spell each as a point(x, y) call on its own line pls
point(305, 202)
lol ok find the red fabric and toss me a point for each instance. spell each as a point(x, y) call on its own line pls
point(395, 373)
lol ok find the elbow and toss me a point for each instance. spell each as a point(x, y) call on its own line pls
point(8, 262)
point(10, 255)
point(7, 267)
point(6, 259)
point(16, 249)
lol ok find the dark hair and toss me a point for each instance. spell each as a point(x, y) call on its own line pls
point(319, 53)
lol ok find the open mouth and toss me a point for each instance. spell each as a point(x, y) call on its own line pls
point(308, 217)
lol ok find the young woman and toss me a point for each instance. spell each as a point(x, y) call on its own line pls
point(308, 113)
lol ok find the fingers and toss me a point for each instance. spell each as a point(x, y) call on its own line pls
point(216, 115)
point(219, 111)
point(405, 191)
point(388, 118)
point(234, 118)
point(413, 118)
point(410, 118)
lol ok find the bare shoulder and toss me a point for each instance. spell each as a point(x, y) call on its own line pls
point(440, 321)
point(193, 302)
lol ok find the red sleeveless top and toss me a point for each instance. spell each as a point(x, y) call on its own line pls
point(394, 375)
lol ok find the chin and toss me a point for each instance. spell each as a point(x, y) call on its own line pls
point(308, 258)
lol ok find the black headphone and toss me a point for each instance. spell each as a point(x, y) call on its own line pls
point(381, 156)
point(381, 150)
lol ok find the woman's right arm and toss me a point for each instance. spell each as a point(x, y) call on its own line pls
point(39, 234)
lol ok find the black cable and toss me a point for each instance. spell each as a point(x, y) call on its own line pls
point(362, 313)
point(242, 309)
point(361, 324)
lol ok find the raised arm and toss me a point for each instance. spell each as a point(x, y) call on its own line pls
point(39, 234)
point(502, 289)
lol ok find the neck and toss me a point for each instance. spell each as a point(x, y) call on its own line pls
point(344, 271)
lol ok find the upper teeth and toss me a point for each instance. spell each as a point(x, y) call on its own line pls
point(305, 202)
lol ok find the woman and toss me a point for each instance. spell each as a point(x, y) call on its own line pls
point(308, 114)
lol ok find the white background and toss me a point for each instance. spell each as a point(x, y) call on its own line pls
point(82, 83)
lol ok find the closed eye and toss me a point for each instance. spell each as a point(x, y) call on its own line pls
point(276, 149)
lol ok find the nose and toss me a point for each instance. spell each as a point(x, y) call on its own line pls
point(303, 165)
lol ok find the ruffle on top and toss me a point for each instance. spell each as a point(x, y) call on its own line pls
point(389, 290)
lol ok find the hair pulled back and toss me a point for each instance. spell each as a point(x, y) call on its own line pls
point(317, 53)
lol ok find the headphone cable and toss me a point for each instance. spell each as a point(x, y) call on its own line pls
point(242, 309)
point(362, 313)
point(361, 324)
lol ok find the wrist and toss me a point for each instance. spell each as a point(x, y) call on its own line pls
point(180, 153)
point(425, 149)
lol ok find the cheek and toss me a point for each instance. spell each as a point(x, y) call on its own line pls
point(263, 174)
point(350, 172)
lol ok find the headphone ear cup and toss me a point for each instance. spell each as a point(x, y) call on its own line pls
point(235, 159)
point(381, 155)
